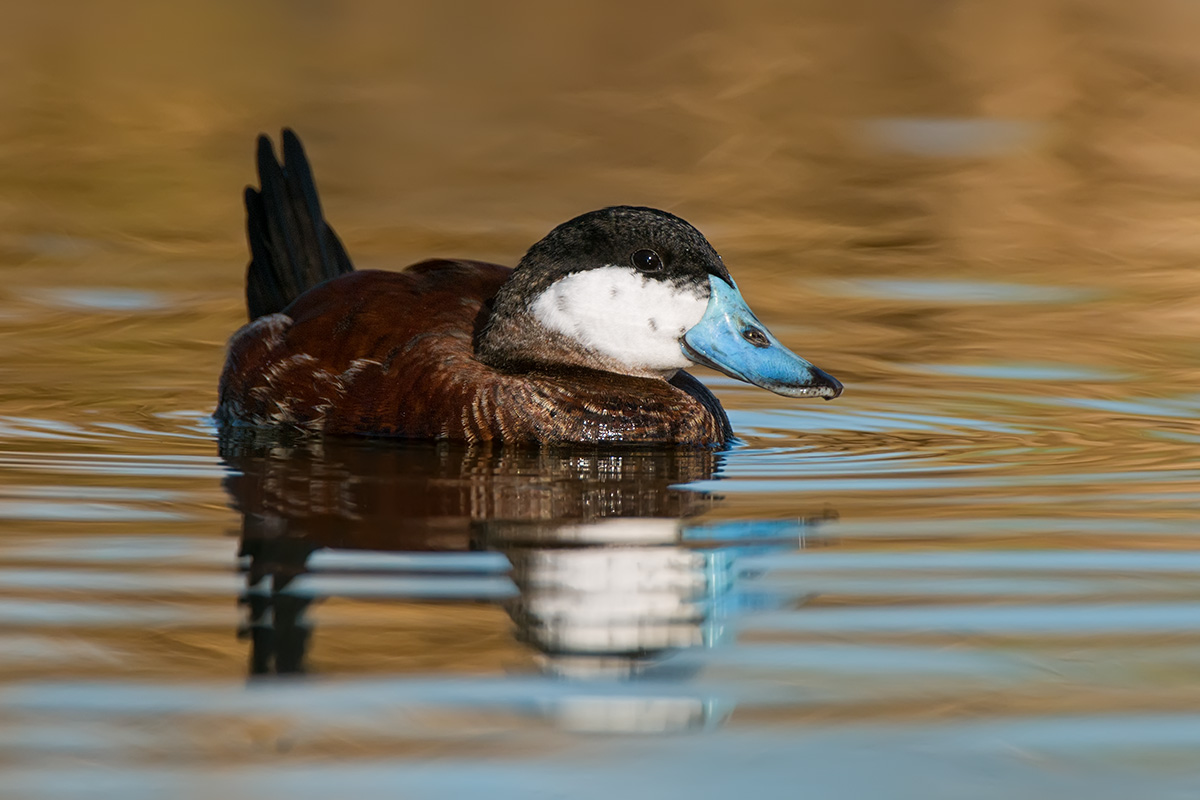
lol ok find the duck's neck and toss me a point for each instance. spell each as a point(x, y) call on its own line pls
point(520, 343)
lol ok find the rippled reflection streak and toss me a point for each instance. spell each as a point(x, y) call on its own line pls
point(590, 552)
point(307, 496)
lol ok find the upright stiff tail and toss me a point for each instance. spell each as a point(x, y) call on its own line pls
point(292, 248)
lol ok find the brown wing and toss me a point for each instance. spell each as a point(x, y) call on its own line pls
point(386, 353)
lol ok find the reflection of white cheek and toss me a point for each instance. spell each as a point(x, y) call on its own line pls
point(621, 314)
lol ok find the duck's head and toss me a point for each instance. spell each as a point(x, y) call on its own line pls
point(641, 292)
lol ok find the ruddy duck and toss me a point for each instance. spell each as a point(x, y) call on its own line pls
point(584, 341)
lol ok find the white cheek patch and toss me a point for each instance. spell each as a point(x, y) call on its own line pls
point(619, 313)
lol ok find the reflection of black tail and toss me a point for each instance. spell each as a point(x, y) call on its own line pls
point(292, 248)
point(276, 623)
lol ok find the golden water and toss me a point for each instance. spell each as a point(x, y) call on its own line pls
point(974, 573)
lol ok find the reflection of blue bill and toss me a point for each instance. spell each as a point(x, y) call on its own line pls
point(767, 530)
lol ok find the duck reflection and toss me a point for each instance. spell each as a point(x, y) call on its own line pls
point(596, 555)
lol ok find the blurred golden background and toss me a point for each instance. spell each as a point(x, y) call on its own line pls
point(983, 217)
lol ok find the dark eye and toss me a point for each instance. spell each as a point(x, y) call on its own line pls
point(756, 337)
point(647, 261)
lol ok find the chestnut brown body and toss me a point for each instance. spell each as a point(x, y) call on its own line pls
point(393, 354)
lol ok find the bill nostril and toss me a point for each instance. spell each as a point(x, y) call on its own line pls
point(756, 337)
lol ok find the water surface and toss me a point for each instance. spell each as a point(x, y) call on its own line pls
point(974, 574)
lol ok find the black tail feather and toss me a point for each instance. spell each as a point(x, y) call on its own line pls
point(292, 248)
